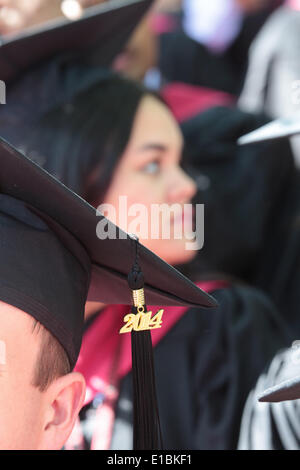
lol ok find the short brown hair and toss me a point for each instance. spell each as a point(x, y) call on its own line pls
point(52, 361)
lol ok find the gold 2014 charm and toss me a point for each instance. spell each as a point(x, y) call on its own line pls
point(142, 321)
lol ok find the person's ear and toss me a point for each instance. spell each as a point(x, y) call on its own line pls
point(65, 398)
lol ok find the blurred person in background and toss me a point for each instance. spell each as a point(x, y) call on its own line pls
point(216, 24)
point(138, 59)
point(17, 15)
point(251, 195)
point(134, 150)
point(274, 424)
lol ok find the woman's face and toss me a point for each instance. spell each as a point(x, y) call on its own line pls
point(149, 174)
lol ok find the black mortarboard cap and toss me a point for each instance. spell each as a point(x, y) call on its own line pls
point(101, 32)
point(278, 129)
point(286, 390)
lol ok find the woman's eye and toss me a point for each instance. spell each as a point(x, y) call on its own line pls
point(151, 167)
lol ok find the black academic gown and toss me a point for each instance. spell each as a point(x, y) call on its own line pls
point(205, 367)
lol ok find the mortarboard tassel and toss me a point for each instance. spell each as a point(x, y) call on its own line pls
point(146, 423)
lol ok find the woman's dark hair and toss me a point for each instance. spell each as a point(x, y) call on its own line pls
point(81, 141)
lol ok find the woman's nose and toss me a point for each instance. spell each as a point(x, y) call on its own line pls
point(182, 187)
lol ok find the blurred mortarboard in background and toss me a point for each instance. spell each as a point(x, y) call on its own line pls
point(287, 390)
point(43, 67)
point(278, 129)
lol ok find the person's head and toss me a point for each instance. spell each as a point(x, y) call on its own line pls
point(114, 140)
point(40, 396)
point(141, 52)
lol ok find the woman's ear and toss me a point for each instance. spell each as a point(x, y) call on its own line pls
point(65, 398)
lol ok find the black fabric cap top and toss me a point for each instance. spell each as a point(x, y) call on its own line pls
point(42, 277)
